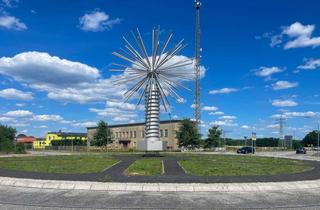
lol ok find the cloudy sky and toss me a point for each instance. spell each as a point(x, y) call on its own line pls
point(260, 61)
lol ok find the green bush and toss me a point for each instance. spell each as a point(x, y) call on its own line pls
point(6, 146)
point(20, 148)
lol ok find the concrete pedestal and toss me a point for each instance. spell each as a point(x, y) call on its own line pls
point(152, 146)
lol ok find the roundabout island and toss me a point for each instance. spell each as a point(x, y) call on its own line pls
point(169, 168)
point(174, 181)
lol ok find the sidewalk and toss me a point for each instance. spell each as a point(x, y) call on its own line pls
point(159, 187)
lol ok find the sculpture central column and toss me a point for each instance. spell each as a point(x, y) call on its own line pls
point(152, 141)
point(152, 110)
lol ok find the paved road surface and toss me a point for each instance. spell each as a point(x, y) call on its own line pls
point(33, 198)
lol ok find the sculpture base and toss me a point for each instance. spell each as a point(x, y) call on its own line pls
point(152, 146)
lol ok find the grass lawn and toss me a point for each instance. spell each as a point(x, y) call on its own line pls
point(240, 165)
point(146, 167)
point(70, 164)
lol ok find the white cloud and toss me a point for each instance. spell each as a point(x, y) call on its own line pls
point(284, 103)
point(273, 126)
point(19, 124)
point(10, 22)
point(20, 104)
point(6, 119)
point(116, 113)
point(8, 3)
point(308, 114)
point(300, 114)
point(85, 124)
point(11, 93)
point(210, 108)
point(280, 85)
point(216, 113)
point(62, 79)
point(19, 113)
point(97, 21)
point(223, 91)
point(45, 117)
point(123, 105)
point(310, 64)
point(181, 101)
point(43, 70)
point(66, 81)
point(120, 119)
point(268, 71)
point(227, 117)
point(223, 123)
point(296, 35)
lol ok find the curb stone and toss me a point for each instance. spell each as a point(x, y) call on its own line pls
point(159, 187)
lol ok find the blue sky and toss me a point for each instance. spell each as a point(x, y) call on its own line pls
point(261, 60)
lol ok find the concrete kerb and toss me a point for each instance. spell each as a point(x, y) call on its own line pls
point(159, 187)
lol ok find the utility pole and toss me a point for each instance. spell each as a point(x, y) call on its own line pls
point(197, 102)
point(318, 137)
point(281, 125)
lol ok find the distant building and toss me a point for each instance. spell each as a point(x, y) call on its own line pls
point(26, 140)
point(127, 135)
point(42, 143)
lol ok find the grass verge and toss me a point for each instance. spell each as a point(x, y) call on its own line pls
point(238, 165)
point(145, 167)
point(71, 164)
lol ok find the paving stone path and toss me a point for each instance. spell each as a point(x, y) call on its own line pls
point(173, 173)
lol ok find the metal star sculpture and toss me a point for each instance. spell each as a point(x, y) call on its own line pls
point(156, 76)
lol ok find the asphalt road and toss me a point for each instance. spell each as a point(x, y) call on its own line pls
point(32, 198)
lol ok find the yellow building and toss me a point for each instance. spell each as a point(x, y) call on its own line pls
point(43, 143)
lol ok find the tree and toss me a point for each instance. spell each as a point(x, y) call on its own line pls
point(311, 138)
point(214, 137)
point(7, 135)
point(103, 136)
point(188, 135)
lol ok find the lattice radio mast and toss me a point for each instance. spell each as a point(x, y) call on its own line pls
point(197, 103)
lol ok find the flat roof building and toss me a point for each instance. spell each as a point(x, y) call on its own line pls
point(128, 135)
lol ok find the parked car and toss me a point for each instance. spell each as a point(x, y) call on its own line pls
point(246, 150)
point(301, 150)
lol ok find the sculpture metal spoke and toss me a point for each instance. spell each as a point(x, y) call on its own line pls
point(154, 76)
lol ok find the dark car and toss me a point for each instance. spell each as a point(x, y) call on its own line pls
point(246, 150)
point(301, 150)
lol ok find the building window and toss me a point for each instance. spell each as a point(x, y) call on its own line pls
point(134, 134)
point(166, 133)
point(127, 134)
point(142, 133)
point(123, 134)
point(161, 133)
point(130, 134)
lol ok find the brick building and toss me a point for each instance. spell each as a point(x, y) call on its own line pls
point(127, 135)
